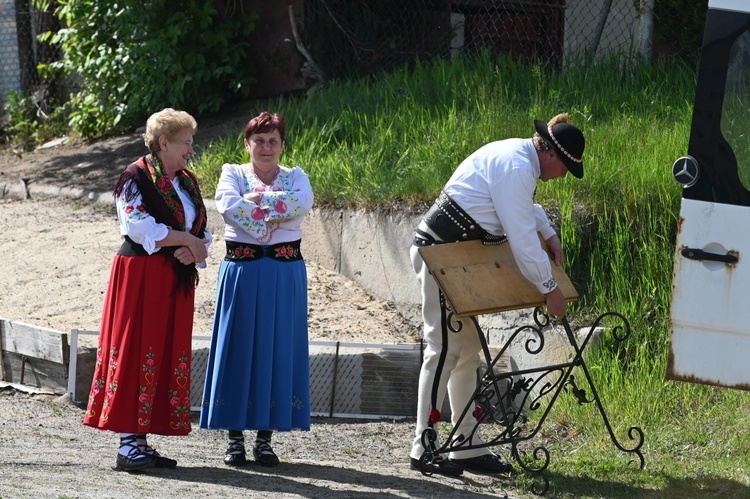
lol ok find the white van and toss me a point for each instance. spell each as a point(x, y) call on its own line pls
point(710, 313)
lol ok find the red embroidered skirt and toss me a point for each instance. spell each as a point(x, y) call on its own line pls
point(141, 379)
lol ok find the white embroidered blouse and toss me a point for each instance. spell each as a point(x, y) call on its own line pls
point(141, 227)
point(276, 218)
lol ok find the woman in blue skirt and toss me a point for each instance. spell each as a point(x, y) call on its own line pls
point(258, 369)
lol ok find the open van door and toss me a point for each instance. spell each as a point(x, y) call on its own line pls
point(710, 312)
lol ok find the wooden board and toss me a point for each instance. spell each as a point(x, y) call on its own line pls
point(34, 341)
point(33, 355)
point(482, 279)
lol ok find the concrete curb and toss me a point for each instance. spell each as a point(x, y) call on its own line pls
point(369, 248)
point(23, 190)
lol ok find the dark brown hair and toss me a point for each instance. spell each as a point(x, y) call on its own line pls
point(266, 122)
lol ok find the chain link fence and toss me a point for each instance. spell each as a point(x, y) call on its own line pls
point(10, 62)
point(20, 52)
point(348, 38)
point(364, 37)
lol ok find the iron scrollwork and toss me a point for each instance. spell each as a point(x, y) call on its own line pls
point(500, 398)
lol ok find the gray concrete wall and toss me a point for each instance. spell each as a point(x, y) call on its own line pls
point(372, 250)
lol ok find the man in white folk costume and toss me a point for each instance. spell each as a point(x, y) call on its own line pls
point(490, 196)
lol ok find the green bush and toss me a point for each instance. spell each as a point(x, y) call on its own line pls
point(136, 57)
point(27, 126)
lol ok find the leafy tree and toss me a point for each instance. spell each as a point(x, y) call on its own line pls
point(134, 57)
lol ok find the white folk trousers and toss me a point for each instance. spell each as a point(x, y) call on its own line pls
point(459, 371)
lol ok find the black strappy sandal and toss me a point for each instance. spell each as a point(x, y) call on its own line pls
point(263, 453)
point(236, 452)
point(135, 459)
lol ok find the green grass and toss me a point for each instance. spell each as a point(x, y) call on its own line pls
point(393, 142)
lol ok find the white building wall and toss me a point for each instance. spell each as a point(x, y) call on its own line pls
point(621, 31)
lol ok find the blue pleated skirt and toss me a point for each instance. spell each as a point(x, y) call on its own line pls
point(257, 376)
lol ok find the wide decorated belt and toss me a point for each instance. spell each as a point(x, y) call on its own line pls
point(243, 252)
point(450, 222)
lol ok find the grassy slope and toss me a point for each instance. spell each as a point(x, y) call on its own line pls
point(395, 140)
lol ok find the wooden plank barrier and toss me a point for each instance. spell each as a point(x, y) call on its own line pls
point(34, 356)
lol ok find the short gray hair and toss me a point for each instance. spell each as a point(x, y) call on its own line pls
point(166, 122)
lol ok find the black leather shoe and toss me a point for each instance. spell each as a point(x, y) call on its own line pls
point(489, 463)
point(264, 454)
point(440, 466)
point(235, 455)
point(235, 459)
point(139, 461)
point(159, 460)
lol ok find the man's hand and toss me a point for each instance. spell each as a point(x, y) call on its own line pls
point(555, 248)
point(556, 304)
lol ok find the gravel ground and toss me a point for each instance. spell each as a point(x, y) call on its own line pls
point(47, 453)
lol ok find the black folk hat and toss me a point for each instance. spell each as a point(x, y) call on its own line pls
point(568, 143)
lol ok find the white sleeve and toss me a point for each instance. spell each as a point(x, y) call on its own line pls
point(513, 198)
point(296, 202)
point(542, 222)
point(137, 224)
point(246, 215)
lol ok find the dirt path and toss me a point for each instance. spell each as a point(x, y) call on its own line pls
point(56, 255)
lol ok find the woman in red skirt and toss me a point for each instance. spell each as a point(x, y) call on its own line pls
point(141, 380)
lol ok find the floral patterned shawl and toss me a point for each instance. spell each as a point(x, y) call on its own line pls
point(162, 202)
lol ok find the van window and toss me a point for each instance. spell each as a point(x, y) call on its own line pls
point(735, 119)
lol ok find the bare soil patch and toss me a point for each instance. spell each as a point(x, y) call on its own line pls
point(55, 268)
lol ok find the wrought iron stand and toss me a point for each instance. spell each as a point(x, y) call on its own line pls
point(497, 394)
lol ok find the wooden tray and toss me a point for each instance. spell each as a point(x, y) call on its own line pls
point(482, 279)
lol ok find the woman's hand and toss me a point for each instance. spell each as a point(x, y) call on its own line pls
point(199, 250)
point(184, 255)
point(185, 241)
point(253, 197)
